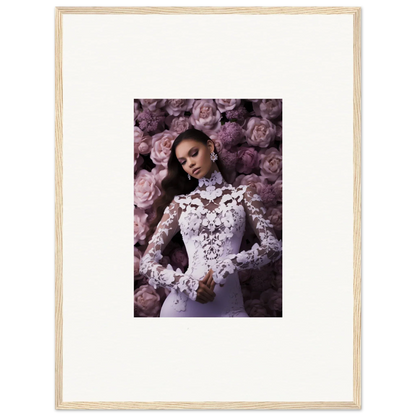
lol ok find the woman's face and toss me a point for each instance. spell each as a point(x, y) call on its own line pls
point(193, 155)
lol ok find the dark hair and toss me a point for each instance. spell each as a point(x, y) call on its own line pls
point(176, 181)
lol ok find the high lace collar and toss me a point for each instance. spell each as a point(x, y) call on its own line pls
point(215, 179)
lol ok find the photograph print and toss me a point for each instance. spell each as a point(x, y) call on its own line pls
point(208, 179)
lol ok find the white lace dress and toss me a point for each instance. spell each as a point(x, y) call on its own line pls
point(212, 222)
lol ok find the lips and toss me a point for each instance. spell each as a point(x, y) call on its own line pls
point(193, 172)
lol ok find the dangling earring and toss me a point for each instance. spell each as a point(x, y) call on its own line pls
point(189, 176)
point(213, 156)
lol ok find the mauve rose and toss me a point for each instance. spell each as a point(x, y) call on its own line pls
point(140, 226)
point(247, 159)
point(159, 172)
point(260, 132)
point(268, 194)
point(228, 159)
point(270, 164)
point(178, 107)
point(274, 214)
point(161, 147)
point(255, 307)
point(142, 142)
point(205, 116)
point(179, 258)
point(256, 181)
point(278, 186)
point(225, 105)
point(137, 257)
point(272, 299)
point(269, 109)
point(146, 301)
point(178, 124)
point(153, 105)
point(137, 109)
point(279, 131)
point(217, 142)
point(145, 189)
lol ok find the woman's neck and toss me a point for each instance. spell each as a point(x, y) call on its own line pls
point(213, 179)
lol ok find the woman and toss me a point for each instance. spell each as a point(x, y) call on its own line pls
point(211, 216)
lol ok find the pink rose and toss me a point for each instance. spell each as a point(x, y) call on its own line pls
point(255, 307)
point(137, 109)
point(153, 105)
point(146, 301)
point(279, 131)
point(268, 109)
point(179, 258)
point(272, 299)
point(254, 180)
point(274, 214)
point(269, 195)
point(140, 226)
point(205, 116)
point(161, 147)
point(270, 164)
point(260, 132)
point(225, 105)
point(159, 172)
point(142, 142)
point(178, 124)
point(217, 141)
point(177, 107)
point(145, 189)
point(278, 185)
point(137, 257)
point(247, 159)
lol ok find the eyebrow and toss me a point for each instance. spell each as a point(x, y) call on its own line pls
point(195, 147)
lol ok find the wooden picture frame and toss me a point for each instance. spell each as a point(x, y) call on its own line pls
point(357, 404)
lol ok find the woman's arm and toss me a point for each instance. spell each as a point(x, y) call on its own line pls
point(149, 264)
point(270, 248)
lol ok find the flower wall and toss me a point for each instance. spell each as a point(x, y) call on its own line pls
point(248, 138)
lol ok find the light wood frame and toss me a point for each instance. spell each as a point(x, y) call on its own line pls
point(59, 404)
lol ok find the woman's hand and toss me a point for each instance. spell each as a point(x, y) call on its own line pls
point(205, 291)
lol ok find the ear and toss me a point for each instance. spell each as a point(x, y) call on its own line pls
point(211, 146)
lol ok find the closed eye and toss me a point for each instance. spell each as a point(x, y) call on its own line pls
point(195, 154)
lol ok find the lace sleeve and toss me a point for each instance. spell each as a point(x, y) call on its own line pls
point(149, 264)
point(270, 248)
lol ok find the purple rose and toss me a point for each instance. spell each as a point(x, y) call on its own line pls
point(146, 301)
point(179, 258)
point(268, 109)
point(247, 159)
point(205, 116)
point(142, 142)
point(177, 107)
point(270, 164)
point(272, 299)
point(225, 105)
point(260, 132)
point(255, 307)
point(153, 105)
point(274, 214)
point(178, 124)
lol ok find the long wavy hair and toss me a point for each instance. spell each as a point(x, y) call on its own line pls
point(176, 181)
